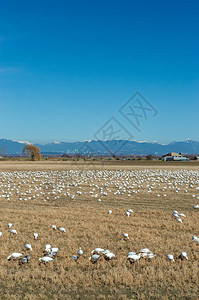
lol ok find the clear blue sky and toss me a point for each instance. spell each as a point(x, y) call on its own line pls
point(67, 66)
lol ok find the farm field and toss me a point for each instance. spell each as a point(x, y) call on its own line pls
point(78, 197)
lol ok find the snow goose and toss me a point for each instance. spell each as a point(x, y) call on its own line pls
point(28, 247)
point(53, 227)
point(25, 259)
point(97, 250)
point(62, 229)
point(181, 215)
point(35, 235)
point(109, 255)
point(125, 236)
point(179, 220)
point(132, 253)
point(195, 239)
point(75, 257)
point(94, 258)
point(46, 259)
point(9, 225)
point(144, 250)
point(134, 257)
point(170, 257)
point(13, 231)
point(183, 255)
point(1, 233)
point(14, 255)
point(80, 251)
point(47, 247)
point(196, 206)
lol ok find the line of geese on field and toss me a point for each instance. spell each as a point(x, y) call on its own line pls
point(51, 252)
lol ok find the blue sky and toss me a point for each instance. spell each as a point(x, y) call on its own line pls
point(66, 67)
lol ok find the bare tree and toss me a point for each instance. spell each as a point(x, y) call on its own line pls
point(2, 150)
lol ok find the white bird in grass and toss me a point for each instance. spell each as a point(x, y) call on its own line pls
point(35, 235)
point(196, 206)
point(175, 215)
point(179, 220)
point(46, 259)
point(181, 215)
point(94, 258)
point(105, 252)
point(150, 255)
point(28, 247)
point(97, 250)
point(134, 257)
point(13, 231)
point(175, 212)
point(109, 255)
point(127, 213)
point(75, 257)
point(9, 225)
point(195, 239)
point(25, 259)
point(125, 236)
point(53, 227)
point(47, 247)
point(170, 257)
point(145, 250)
point(132, 253)
point(80, 251)
point(54, 249)
point(62, 229)
point(130, 210)
point(110, 211)
point(183, 255)
point(14, 255)
point(1, 233)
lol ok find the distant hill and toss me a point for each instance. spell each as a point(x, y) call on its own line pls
point(105, 147)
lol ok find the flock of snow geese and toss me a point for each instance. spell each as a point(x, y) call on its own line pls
point(51, 186)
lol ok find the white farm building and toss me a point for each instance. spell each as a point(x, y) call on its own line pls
point(172, 156)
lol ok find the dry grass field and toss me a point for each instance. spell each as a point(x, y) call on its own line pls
point(88, 225)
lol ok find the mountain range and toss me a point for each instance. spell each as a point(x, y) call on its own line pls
point(98, 147)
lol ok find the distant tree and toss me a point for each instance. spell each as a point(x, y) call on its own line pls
point(2, 150)
point(32, 151)
point(149, 157)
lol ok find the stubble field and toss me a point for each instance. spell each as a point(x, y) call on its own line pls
point(35, 196)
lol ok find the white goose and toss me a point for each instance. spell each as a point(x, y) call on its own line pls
point(80, 251)
point(94, 258)
point(125, 236)
point(47, 247)
point(35, 235)
point(170, 257)
point(97, 250)
point(53, 227)
point(183, 255)
point(14, 255)
point(28, 247)
point(134, 257)
point(62, 229)
point(195, 239)
point(109, 255)
point(46, 259)
point(9, 225)
point(13, 231)
point(179, 220)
